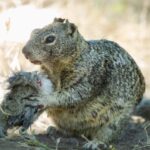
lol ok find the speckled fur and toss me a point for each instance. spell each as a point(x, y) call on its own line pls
point(21, 86)
point(15, 109)
point(96, 82)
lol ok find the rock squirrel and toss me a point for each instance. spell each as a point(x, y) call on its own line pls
point(96, 82)
point(15, 110)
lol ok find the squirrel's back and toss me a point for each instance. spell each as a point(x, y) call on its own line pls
point(123, 76)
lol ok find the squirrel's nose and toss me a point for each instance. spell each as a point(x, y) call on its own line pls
point(26, 52)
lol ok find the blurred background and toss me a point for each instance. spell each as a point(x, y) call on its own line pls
point(124, 21)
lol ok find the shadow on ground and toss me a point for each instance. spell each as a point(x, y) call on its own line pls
point(133, 137)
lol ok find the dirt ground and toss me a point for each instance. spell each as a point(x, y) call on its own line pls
point(133, 137)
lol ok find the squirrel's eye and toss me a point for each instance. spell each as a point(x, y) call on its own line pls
point(49, 39)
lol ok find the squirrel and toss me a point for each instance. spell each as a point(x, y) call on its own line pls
point(15, 110)
point(96, 82)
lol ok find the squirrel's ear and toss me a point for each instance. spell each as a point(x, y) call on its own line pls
point(58, 20)
point(71, 28)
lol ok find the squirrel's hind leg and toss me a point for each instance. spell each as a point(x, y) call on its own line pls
point(110, 131)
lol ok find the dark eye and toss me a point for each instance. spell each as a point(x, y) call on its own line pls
point(49, 39)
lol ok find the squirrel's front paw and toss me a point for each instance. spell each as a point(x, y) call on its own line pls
point(35, 101)
point(45, 100)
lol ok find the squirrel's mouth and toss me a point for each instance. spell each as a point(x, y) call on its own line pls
point(32, 61)
point(36, 62)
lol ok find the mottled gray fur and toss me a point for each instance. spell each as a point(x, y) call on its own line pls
point(15, 108)
point(96, 82)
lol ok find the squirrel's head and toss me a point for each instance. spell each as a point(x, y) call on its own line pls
point(55, 41)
